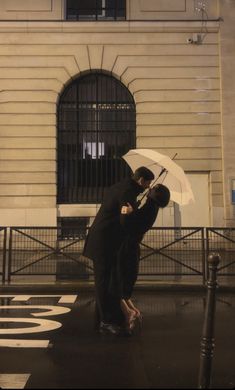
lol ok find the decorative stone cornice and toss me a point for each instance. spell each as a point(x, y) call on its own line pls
point(110, 27)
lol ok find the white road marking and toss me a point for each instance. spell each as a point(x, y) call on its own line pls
point(42, 325)
point(21, 343)
point(51, 310)
point(25, 298)
point(68, 299)
point(13, 381)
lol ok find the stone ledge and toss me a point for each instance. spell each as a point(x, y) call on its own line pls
point(95, 27)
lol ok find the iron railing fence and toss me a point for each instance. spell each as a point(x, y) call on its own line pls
point(47, 251)
point(167, 254)
point(222, 240)
point(3, 236)
point(175, 253)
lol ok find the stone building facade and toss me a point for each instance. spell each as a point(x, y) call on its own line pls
point(175, 57)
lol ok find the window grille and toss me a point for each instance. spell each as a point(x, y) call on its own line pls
point(96, 126)
point(96, 9)
point(72, 228)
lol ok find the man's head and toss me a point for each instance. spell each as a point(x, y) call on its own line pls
point(143, 176)
point(160, 194)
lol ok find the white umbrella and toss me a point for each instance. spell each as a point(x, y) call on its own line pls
point(166, 171)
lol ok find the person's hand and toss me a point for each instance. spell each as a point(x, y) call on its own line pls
point(127, 209)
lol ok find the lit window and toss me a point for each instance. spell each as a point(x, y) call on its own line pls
point(93, 150)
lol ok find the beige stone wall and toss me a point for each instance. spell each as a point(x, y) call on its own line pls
point(31, 9)
point(170, 9)
point(136, 9)
point(227, 56)
point(176, 87)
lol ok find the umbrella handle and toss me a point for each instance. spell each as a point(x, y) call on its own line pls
point(162, 171)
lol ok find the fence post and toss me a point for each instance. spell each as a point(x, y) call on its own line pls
point(9, 256)
point(4, 255)
point(207, 341)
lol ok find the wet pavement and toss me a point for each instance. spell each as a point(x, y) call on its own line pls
point(49, 342)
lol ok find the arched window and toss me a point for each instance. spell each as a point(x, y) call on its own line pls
point(96, 126)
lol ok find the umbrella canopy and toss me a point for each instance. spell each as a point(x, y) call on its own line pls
point(166, 171)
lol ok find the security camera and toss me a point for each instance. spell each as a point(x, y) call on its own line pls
point(195, 39)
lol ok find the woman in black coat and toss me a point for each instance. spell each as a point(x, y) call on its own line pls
point(126, 272)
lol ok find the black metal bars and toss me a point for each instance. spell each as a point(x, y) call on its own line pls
point(46, 251)
point(96, 126)
point(3, 237)
point(96, 10)
point(165, 252)
point(222, 241)
point(169, 254)
point(173, 252)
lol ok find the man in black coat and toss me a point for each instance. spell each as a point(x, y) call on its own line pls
point(105, 238)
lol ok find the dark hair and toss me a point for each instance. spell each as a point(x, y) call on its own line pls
point(143, 172)
point(160, 195)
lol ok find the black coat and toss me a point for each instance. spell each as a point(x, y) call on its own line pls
point(142, 220)
point(110, 226)
point(126, 272)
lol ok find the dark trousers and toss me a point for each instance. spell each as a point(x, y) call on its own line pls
point(115, 277)
point(107, 296)
point(127, 267)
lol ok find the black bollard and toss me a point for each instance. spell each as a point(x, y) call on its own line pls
point(208, 341)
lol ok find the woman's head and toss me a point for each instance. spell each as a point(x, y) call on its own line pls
point(160, 194)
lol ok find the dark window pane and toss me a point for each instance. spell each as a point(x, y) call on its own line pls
point(96, 9)
point(83, 5)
